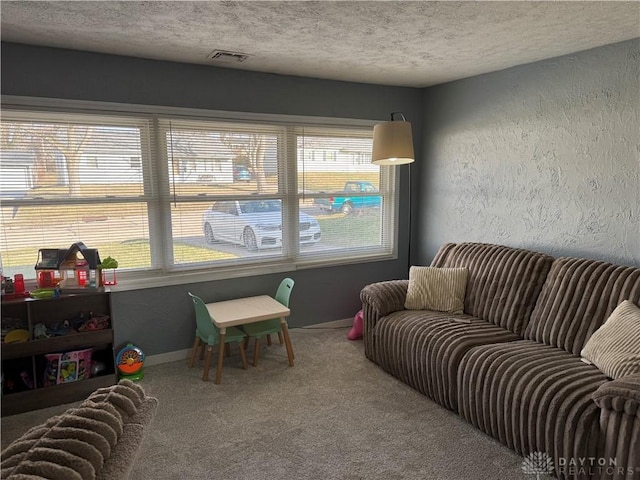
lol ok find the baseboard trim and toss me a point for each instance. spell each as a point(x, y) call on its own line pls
point(178, 355)
point(168, 357)
point(345, 322)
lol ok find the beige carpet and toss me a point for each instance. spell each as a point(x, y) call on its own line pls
point(335, 415)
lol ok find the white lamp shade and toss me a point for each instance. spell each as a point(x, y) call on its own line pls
point(392, 143)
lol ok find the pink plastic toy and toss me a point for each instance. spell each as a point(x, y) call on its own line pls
point(356, 330)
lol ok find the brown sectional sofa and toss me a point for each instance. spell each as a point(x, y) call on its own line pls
point(515, 371)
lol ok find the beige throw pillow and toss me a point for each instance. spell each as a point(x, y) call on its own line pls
point(439, 289)
point(615, 347)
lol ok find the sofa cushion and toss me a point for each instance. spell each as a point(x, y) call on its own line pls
point(615, 347)
point(503, 282)
point(577, 297)
point(531, 397)
point(439, 289)
point(423, 348)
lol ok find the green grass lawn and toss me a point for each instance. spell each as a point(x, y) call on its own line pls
point(333, 181)
point(358, 229)
point(130, 254)
point(52, 215)
point(338, 230)
point(27, 224)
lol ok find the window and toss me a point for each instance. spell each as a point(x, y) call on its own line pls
point(68, 178)
point(135, 163)
point(354, 200)
point(225, 192)
point(176, 195)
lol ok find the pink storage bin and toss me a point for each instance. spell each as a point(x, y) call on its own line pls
point(67, 367)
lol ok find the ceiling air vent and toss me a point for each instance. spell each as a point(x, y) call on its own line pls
point(227, 56)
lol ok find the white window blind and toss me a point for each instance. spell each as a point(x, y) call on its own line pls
point(226, 191)
point(176, 195)
point(66, 178)
point(352, 199)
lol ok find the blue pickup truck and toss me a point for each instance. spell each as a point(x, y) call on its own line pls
point(348, 202)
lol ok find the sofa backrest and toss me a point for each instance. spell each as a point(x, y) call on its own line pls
point(577, 298)
point(503, 282)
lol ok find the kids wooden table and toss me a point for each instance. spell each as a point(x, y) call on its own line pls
point(242, 311)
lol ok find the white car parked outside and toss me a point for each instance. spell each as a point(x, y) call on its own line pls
point(255, 224)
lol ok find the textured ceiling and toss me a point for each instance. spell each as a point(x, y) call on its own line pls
point(395, 42)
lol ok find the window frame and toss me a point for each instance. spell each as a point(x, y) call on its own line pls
point(157, 195)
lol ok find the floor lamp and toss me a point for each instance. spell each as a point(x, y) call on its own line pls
point(393, 145)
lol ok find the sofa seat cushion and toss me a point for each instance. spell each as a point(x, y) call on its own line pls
point(423, 348)
point(532, 397)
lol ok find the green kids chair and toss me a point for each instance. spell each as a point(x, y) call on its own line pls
point(207, 333)
point(267, 327)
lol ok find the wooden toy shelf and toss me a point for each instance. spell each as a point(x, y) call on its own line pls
point(29, 356)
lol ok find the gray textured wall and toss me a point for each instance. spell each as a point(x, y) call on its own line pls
point(542, 156)
point(160, 320)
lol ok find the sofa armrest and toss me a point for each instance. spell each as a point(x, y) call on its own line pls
point(385, 297)
point(378, 300)
point(621, 395)
point(120, 464)
point(619, 402)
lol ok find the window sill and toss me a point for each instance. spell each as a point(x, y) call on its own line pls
point(154, 279)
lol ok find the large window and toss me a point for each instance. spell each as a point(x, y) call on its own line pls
point(170, 195)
